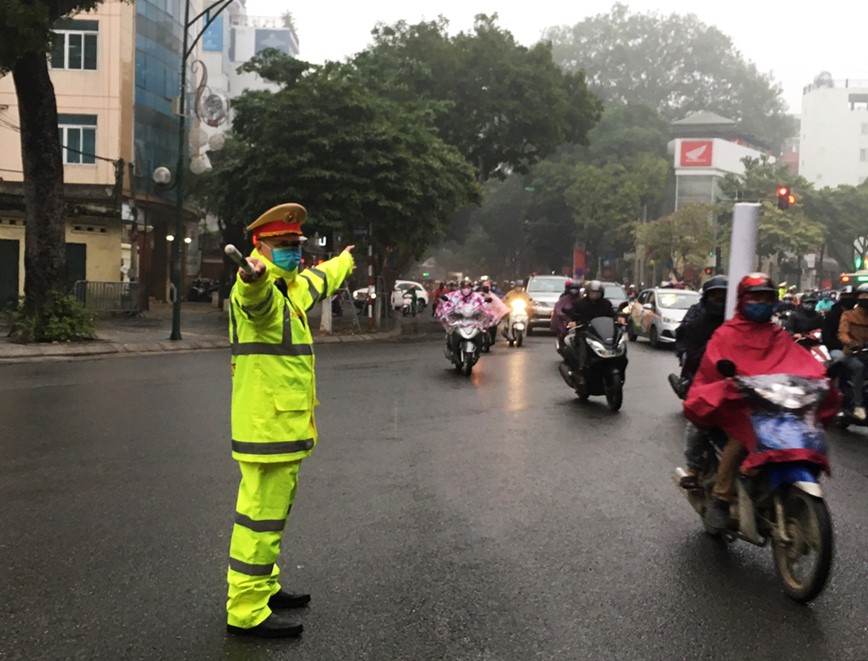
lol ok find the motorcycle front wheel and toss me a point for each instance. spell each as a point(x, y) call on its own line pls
point(467, 367)
point(614, 391)
point(519, 338)
point(803, 563)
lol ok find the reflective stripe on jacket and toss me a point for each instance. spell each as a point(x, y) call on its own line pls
point(273, 382)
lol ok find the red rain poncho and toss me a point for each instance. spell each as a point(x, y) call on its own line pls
point(755, 348)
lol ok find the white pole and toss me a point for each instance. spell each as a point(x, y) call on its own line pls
point(742, 249)
point(325, 323)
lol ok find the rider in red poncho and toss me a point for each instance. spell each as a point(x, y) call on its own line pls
point(757, 346)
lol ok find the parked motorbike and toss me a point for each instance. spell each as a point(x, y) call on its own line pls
point(201, 290)
point(603, 343)
point(465, 328)
point(782, 501)
point(516, 322)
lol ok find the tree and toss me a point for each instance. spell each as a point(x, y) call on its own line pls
point(25, 38)
point(504, 106)
point(682, 238)
point(675, 64)
point(354, 158)
point(603, 200)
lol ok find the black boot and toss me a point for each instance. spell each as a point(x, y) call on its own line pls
point(284, 599)
point(276, 625)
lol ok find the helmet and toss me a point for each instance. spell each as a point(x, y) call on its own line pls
point(594, 290)
point(847, 291)
point(519, 283)
point(862, 289)
point(717, 282)
point(810, 297)
point(754, 283)
point(569, 283)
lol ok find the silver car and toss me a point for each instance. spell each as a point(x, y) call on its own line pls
point(544, 291)
point(656, 313)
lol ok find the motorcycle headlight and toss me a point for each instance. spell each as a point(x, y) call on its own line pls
point(599, 348)
point(518, 306)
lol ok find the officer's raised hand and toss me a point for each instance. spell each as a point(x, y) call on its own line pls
point(258, 270)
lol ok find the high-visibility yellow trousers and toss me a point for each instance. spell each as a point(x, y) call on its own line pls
point(265, 497)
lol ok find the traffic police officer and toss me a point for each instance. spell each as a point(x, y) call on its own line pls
point(273, 398)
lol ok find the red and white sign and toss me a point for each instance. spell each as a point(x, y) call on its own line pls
point(696, 153)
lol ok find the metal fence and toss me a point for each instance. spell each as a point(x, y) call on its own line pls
point(108, 297)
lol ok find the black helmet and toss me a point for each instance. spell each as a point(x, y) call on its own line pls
point(810, 297)
point(847, 290)
point(717, 282)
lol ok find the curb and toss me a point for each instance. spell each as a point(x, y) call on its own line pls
point(11, 353)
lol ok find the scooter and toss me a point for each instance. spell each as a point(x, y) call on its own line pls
point(604, 345)
point(845, 418)
point(781, 501)
point(516, 322)
point(813, 342)
point(408, 305)
point(465, 328)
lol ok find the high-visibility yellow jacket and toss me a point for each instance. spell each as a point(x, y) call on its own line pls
point(273, 384)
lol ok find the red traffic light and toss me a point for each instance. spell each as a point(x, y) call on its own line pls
point(783, 191)
point(708, 270)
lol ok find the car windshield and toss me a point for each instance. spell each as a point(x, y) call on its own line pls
point(546, 285)
point(406, 286)
point(614, 292)
point(677, 300)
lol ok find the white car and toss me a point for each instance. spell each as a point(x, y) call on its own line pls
point(360, 296)
point(403, 286)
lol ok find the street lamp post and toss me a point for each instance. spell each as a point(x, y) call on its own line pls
point(187, 49)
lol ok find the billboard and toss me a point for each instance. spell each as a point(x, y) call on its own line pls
point(696, 153)
point(212, 38)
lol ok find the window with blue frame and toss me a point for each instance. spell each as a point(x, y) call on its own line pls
point(77, 138)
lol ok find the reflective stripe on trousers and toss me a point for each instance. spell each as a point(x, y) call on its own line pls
point(265, 497)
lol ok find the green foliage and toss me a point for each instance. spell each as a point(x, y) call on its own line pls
point(65, 320)
point(685, 237)
point(790, 231)
point(675, 64)
point(350, 155)
point(504, 106)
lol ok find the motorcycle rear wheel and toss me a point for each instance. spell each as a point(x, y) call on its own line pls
point(809, 526)
point(614, 391)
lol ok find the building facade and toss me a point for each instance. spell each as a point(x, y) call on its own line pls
point(833, 148)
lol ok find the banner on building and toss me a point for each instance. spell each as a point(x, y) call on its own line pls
point(212, 38)
point(696, 153)
point(579, 263)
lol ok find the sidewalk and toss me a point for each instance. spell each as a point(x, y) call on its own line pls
point(203, 326)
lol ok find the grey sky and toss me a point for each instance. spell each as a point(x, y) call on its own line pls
point(790, 40)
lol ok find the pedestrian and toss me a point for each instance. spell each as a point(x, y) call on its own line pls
point(273, 399)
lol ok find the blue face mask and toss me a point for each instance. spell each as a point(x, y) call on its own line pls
point(759, 312)
point(287, 259)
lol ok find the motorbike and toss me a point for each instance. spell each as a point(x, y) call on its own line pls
point(781, 501)
point(516, 322)
point(408, 305)
point(201, 290)
point(813, 342)
point(465, 330)
point(604, 346)
point(845, 419)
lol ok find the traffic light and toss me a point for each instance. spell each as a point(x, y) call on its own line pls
point(785, 198)
point(857, 262)
point(708, 270)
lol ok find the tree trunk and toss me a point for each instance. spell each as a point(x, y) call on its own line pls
point(45, 235)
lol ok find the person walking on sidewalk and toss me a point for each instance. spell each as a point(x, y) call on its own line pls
point(273, 399)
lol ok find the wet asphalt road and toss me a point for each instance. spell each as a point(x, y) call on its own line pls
point(440, 517)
